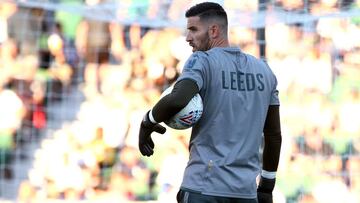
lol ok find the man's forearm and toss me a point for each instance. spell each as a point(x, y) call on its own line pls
point(271, 153)
point(172, 103)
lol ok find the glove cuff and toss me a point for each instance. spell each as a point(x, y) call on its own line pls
point(151, 117)
point(146, 121)
point(266, 185)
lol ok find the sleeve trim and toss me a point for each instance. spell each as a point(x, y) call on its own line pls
point(268, 174)
point(151, 118)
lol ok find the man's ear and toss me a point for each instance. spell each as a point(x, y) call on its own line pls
point(214, 31)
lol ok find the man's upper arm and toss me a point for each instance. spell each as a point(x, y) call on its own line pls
point(272, 122)
point(272, 139)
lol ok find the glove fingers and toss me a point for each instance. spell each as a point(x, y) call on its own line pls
point(146, 150)
point(159, 129)
point(149, 150)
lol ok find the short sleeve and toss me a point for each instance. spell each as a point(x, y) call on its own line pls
point(194, 69)
point(274, 100)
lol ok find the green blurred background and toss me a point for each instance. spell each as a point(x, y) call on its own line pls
point(77, 76)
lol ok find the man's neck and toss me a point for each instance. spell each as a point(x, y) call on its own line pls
point(220, 43)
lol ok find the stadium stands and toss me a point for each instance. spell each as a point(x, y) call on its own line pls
point(76, 79)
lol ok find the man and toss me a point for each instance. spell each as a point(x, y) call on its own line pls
point(240, 103)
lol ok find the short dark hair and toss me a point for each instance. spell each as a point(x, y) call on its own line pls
point(207, 10)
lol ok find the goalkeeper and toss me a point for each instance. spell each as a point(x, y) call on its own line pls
point(240, 105)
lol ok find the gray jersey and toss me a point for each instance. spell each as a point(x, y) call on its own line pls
point(237, 90)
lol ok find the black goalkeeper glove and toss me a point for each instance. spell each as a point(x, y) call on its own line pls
point(146, 144)
point(264, 191)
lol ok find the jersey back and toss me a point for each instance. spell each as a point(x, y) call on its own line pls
point(237, 90)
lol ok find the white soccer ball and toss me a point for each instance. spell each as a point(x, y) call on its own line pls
point(188, 116)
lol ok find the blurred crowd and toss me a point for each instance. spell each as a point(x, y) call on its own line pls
point(122, 69)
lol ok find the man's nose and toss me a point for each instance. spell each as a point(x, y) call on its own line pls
point(188, 38)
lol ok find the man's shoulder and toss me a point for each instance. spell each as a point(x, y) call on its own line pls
point(195, 57)
point(200, 54)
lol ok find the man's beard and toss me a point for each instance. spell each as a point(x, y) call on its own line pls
point(204, 44)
